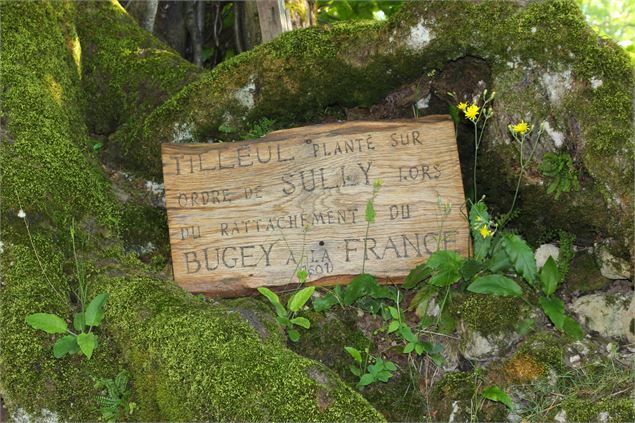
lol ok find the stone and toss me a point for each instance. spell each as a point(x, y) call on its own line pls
point(543, 253)
point(603, 313)
point(612, 267)
point(476, 346)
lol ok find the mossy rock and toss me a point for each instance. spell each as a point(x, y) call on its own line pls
point(584, 275)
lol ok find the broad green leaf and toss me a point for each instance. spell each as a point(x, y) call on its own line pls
point(445, 259)
point(360, 286)
point(87, 343)
point(410, 346)
point(482, 245)
point(393, 326)
point(384, 376)
point(419, 348)
point(300, 298)
point(494, 393)
point(499, 262)
point(325, 303)
point(294, 335)
point(389, 365)
point(79, 322)
point(355, 370)
point(366, 379)
point(549, 276)
point(394, 313)
point(65, 345)
point(572, 328)
point(283, 320)
point(445, 278)
point(370, 212)
point(275, 300)
point(357, 356)
point(49, 323)
point(495, 285)
point(521, 256)
point(302, 322)
point(406, 333)
point(95, 311)
point(416, 275)
point(554, 309)
point(470, 268)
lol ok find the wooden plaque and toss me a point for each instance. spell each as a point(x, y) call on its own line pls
point(252, 213)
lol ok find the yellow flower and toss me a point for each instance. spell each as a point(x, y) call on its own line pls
point(485, 232)
point(520, 128)
point(471, 112)
point(462, 106)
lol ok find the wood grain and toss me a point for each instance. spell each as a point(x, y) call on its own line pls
point(249, 214)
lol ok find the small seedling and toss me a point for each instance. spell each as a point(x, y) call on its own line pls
point(379, 371)
point(287, 317)
point(114, 396)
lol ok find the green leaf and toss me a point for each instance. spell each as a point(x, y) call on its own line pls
point(300, 298)
point(325, 303)
point(499, 262)
point(370, 212)
point(445, 259)
point(283, 320)
point(495, 285)
point(445, 278)
point(360, 286)
point(549, 276)
point(366, 379)
point(65, 345)
point(95, 311)
point(78, 322)
point(357, 356)
point(355, 370)
point(394, 313)
point(410, 346)
point(49, 323)
point(87, 343)
point(470, 268)
point(494, 393)
point(572, 328)
point(416, 275)
point(393, 326)
point(521, 256)
point(554, 309)
point(302, 274)
point(384, 376)
point(419, 348)
point(294, 335)
point(273, 299)
point(302, 322)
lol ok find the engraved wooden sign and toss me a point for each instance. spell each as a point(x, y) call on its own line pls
point(252, 213)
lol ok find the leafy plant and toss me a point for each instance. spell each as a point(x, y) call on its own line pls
point(400, 327)
point(83, 323)
point(287, 317)
point(494, 393)
point(361, 286)
point(259, 129)
point(560, 169)
point(379, 371)
point(115, 397)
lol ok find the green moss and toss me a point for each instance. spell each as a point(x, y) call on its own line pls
point(47, 168)
point(618, 409)
point(126, 72)
point(142, 224)
point(32, 379)
point(543, 348)
point(195, 361)
point(488, 314)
